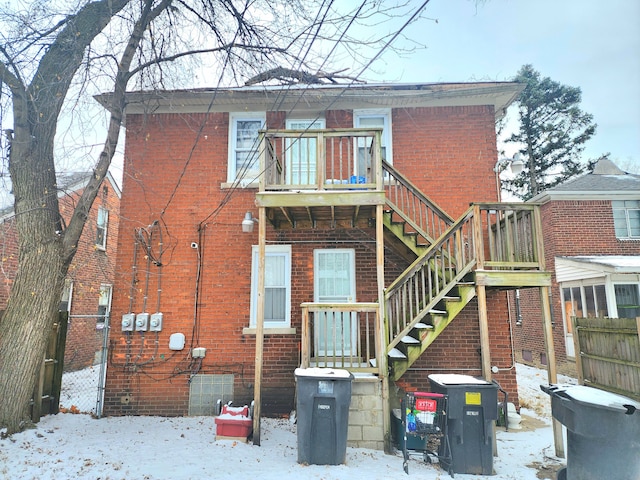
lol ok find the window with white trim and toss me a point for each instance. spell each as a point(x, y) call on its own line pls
point(244, 158)
point(101, 228)
point(301, 153)
point(104, 304)
point(627, 299)
point(277, 286)
point(67, 294)
point(371, 118)
point(626, 218)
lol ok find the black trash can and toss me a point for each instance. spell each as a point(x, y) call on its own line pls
point(324, 395)
point(471, 411)
point(603, 432)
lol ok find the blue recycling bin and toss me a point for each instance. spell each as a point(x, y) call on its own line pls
point(603, 432)
point(324, 396)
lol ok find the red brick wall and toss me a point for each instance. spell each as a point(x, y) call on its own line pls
point(90, 268)
point(570, 228)
point(179, 187)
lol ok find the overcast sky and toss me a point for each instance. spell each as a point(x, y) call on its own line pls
point(591, 44)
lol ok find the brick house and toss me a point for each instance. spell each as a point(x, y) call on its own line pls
point(591, 229)
point(364, 249)
point(89, 282)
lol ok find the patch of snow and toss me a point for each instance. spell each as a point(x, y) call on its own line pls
point(66, 446)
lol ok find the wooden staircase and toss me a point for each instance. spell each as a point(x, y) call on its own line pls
point(492, 245)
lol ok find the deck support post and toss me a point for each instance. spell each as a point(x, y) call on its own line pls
point(552, 374)
point(485, 346)
point(257, 384)
point(381, 357)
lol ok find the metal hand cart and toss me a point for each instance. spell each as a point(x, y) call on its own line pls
point(424, 429)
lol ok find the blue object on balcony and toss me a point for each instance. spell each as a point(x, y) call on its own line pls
point(357, 179)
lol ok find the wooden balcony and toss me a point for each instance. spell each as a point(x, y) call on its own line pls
point(329, 177)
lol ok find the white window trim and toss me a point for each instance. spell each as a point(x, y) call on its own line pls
point(103, 245)
point(273, 327)
point(234, 117)
point(101, 322)
point(386, 132)
point(626, 209)
point(68, 286)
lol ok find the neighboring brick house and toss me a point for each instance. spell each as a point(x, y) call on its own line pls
point(334, 187)
point(591, 228)
point(89, 282)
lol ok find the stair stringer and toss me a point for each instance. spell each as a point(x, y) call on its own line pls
point(426, 336)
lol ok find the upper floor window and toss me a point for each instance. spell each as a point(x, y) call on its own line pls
point(300, 156)
point(244, 158)
point(376, 118)
point(101, 228)
point(626, 218)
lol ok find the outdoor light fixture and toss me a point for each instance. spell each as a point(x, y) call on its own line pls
point(248, 222)
point(516, 164)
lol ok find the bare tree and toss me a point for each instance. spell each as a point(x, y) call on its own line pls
point(51, 58)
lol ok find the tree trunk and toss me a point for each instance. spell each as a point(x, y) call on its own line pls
point(32, 308)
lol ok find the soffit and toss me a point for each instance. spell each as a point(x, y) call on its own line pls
point(315, 99)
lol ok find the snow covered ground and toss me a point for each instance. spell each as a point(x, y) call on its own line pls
point(68, 446)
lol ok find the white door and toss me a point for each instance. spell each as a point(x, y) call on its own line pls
point(300, 155)
point(334, 282)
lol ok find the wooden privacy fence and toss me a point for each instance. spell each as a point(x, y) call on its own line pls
point(46, 394)
point(608, 354)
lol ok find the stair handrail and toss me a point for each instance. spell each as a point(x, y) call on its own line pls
point(431, 276)
point(421, 213)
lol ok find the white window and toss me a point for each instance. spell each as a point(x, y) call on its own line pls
point(627, 300)
point(373, 118)
point(67, 294)
point(300, 155)
point(244, 152)
point(277, 286)
point(101, 228)
point(104, 304)
point(626, 218)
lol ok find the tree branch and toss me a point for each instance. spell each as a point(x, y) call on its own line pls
point(81, 212)
point(291, 76)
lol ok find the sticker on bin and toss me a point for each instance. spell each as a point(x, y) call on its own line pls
point(473, 398)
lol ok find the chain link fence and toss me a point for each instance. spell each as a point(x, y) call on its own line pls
point(85, 364)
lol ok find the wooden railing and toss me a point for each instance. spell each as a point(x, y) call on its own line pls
point(421, 214)
point(340, 335)
point(328, 159)
point(425, 283)
point(513, 235)
point(503, 237)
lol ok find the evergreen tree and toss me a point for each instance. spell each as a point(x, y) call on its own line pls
point(553, 132)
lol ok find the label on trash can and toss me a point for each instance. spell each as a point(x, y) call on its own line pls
point(473, 398)
point(325, 387)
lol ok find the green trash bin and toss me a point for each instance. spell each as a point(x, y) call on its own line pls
point(472, 409)
point(324, 395)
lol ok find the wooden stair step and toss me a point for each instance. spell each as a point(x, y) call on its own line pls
point(395, 353)
point(410, 340)
point(433, 311)
point(422, 326)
